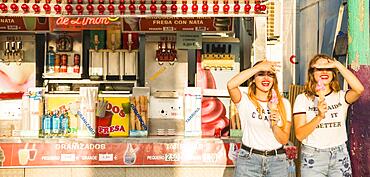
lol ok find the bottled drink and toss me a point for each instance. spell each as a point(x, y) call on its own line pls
point(57, 63)
point(46, 124)
point(76, 63)
point(51, 59)
point(64, 63)
point(55, 124)
point(64, 124)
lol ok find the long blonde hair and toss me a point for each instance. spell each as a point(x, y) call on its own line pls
point(252, 96)
point(310, 85)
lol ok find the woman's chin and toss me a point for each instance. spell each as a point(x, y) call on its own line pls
point(264, 89)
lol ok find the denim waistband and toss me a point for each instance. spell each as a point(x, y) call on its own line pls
point(331, 149)
point(281, 150)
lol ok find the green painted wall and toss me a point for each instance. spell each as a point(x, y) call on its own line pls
point(358, 33)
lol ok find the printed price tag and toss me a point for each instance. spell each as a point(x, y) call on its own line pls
point(67, 157)
point(105, 157)
point(172, 157)
point(189, 40)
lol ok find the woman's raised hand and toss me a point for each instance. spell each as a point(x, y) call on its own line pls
point(322, 108)
point(330, 64)
point(274, 117)
point(272, 66)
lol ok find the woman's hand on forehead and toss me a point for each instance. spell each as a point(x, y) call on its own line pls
point(328, 64)
point(266, 65)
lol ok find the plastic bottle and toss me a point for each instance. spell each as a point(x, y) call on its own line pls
point(51, 59)
point(46, 124)
point(76, 63)
point(55, 124)
point(64, 124)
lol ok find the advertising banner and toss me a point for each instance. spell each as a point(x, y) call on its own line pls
point(85, 153)
point(170, 24)
point(24, 24)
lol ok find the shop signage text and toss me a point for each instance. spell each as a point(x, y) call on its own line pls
point(82, 21)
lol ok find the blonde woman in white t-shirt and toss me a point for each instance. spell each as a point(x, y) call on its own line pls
point(265, 130)
point(320, 118)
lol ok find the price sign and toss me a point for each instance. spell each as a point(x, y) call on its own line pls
point(189, 40)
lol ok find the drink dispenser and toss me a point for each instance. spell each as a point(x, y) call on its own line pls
point(97, 56)
point(130, 56)
point(114, 55)
point(97, 39)
point(96, 65)
point(131, 59)
point(12, 50)
point(114, 39)
point(113, 65)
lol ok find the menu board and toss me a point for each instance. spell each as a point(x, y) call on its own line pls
point(183, 152)
point(171, 24)
point(24, 24)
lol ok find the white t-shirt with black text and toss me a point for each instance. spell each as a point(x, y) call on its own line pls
point(331, 131)
point(257, 132)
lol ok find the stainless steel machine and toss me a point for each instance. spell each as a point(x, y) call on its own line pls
point(166, 73)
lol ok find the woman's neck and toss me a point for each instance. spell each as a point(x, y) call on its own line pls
point(327, 90)
point(262, 95)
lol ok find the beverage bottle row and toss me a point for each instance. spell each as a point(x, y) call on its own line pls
point(55, 124)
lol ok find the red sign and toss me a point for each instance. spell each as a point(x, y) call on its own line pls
point(186, 152)
point(81, 23)
point(24, 24)
point(161, 24)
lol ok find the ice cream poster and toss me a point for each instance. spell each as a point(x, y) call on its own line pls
point(215, 110)
point(215, 116)
point(112, 116)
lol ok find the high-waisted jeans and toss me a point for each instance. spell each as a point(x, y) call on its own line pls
point(255, 165)
point(329, 162)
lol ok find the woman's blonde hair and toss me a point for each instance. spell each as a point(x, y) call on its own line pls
point(310, 85)
point(252, 96)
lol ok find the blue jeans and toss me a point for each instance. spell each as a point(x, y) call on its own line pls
point(255, 165)
point(330, 162)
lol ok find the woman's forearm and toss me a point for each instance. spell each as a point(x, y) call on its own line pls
point(351, 79)
point(303, 131)
point(240, 78)
point(280, 135)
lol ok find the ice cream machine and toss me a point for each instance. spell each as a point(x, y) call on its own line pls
point(166, 73)
point(17, 48)
point(116, 60)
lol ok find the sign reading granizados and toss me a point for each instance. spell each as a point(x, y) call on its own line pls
point(86, 153)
